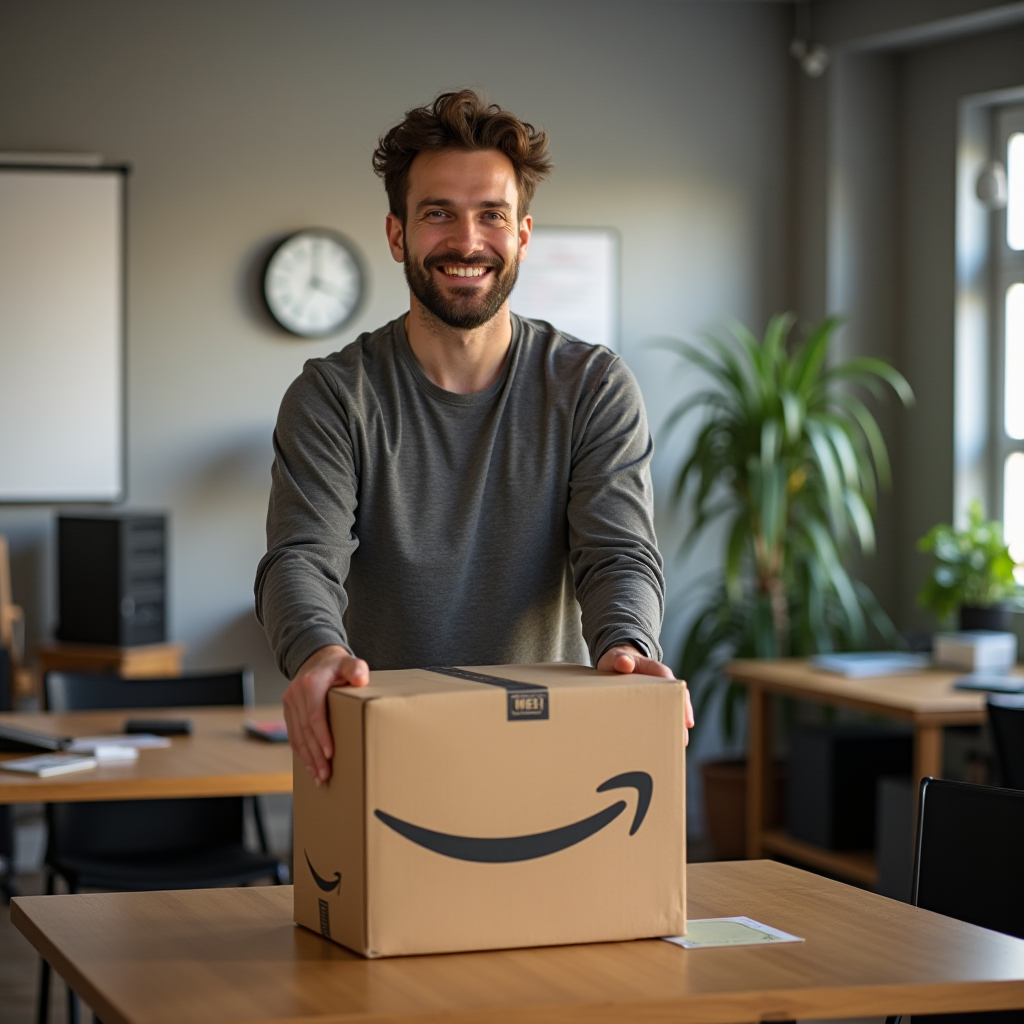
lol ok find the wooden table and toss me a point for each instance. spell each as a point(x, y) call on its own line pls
point(218, 759)
point(233, 955)
point(926, 700)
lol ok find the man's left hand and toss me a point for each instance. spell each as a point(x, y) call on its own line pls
point(627, 659)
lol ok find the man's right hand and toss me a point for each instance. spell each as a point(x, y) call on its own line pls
point(305, 705)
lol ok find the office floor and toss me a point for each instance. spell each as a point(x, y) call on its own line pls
point(19, 964)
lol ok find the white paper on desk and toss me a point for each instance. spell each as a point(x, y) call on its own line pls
point(115, 752)
point(139, 740)
point(45, 765)
point(729, 931)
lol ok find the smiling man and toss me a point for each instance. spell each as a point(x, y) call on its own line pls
point(462, 486)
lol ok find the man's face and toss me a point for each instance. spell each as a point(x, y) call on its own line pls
point(461, 242)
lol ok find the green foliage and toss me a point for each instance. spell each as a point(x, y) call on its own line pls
point(969, 567)
point(790, 457)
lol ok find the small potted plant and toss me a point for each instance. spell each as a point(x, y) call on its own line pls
point(972, 572)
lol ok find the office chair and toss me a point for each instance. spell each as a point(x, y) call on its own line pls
point(967, 865)
point(1006, 717)
point(135, 845)
point(7, 889)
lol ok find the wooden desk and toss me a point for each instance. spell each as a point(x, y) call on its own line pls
point(926, 700)
point(233, 955)
point(218, 759)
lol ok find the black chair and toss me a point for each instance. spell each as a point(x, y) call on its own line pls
point(7, 889)
point(134, 845)
point(967, 865)
point(1006, 717)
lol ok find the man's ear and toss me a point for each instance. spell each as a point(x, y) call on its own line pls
point(395, 230)
point(525, 230)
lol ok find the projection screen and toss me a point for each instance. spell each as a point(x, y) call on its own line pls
point(62, 420)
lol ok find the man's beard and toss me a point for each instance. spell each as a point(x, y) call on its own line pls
point(463, 312)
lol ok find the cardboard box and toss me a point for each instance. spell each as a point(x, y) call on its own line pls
point(975, 650)
point(495, 807)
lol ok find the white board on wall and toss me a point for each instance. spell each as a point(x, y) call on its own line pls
point(61, 334)
point(570, 278)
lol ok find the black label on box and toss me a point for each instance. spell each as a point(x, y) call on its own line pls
point(325, 919)
point(527, 704)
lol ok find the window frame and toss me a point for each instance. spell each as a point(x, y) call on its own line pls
point(1007, 270)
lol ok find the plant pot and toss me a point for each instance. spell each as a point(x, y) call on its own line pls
point(725, 805)
point(996, 616)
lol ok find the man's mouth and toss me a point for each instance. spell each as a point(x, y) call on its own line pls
point(455, 270)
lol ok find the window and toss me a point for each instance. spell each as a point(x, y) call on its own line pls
point(1008, 322)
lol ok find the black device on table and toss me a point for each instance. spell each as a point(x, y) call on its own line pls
point(159, 726)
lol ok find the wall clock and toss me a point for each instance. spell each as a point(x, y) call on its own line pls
point(314, 283)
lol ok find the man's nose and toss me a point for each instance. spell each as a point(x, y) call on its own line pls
point(465, 236)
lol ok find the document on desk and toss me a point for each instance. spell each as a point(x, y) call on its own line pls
point(140, 741)
point(729, 931)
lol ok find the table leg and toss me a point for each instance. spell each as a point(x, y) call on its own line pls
point(927, 751)
point(927, 757)
point(759, 768)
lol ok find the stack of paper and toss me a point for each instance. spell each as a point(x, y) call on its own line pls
point(864, 664)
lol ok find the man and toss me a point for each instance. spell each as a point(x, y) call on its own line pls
point(462, 486)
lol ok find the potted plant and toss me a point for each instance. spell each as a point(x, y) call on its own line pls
point(790, 456)
point(971, 572)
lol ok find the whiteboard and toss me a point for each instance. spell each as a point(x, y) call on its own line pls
point(61, 334)
point(570, 278)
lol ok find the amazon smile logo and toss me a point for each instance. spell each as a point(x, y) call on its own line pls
point(529, 847)
point(324, 883)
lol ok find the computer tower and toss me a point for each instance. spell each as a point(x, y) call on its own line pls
point(833, 780)
point(112, 578)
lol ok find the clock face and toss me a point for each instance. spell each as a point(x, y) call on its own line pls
point(313, 283)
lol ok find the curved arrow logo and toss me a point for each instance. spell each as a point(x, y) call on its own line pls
point(539, 844)
point(324, 883)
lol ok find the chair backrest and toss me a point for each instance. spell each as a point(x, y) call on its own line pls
point(970, 852)
point(81, 691)
point(6, 682)
point(136, 828)
point(1006, 716)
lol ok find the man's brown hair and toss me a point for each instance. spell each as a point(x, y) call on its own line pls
point(461, 120)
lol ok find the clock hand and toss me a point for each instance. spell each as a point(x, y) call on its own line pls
point(314, 281)
point(328, 289)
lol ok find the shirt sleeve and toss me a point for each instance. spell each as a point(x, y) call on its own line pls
point(300, 582)
point(617, 569)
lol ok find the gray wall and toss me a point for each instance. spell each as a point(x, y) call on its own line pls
point(243, 120)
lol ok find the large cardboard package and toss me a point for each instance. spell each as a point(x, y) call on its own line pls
point(495, 807)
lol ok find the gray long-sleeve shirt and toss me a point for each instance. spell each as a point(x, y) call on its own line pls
point(420, 527)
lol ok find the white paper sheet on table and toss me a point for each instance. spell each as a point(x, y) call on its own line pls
point(139, 740)
point(729, 931)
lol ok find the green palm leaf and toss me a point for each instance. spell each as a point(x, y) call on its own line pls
point(791, 455)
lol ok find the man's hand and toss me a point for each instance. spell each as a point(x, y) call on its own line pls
point(305, 705)
point(627, 659)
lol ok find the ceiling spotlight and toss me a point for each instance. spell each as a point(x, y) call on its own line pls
point(813, 59)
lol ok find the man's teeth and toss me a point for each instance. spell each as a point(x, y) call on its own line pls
point(465, 271)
